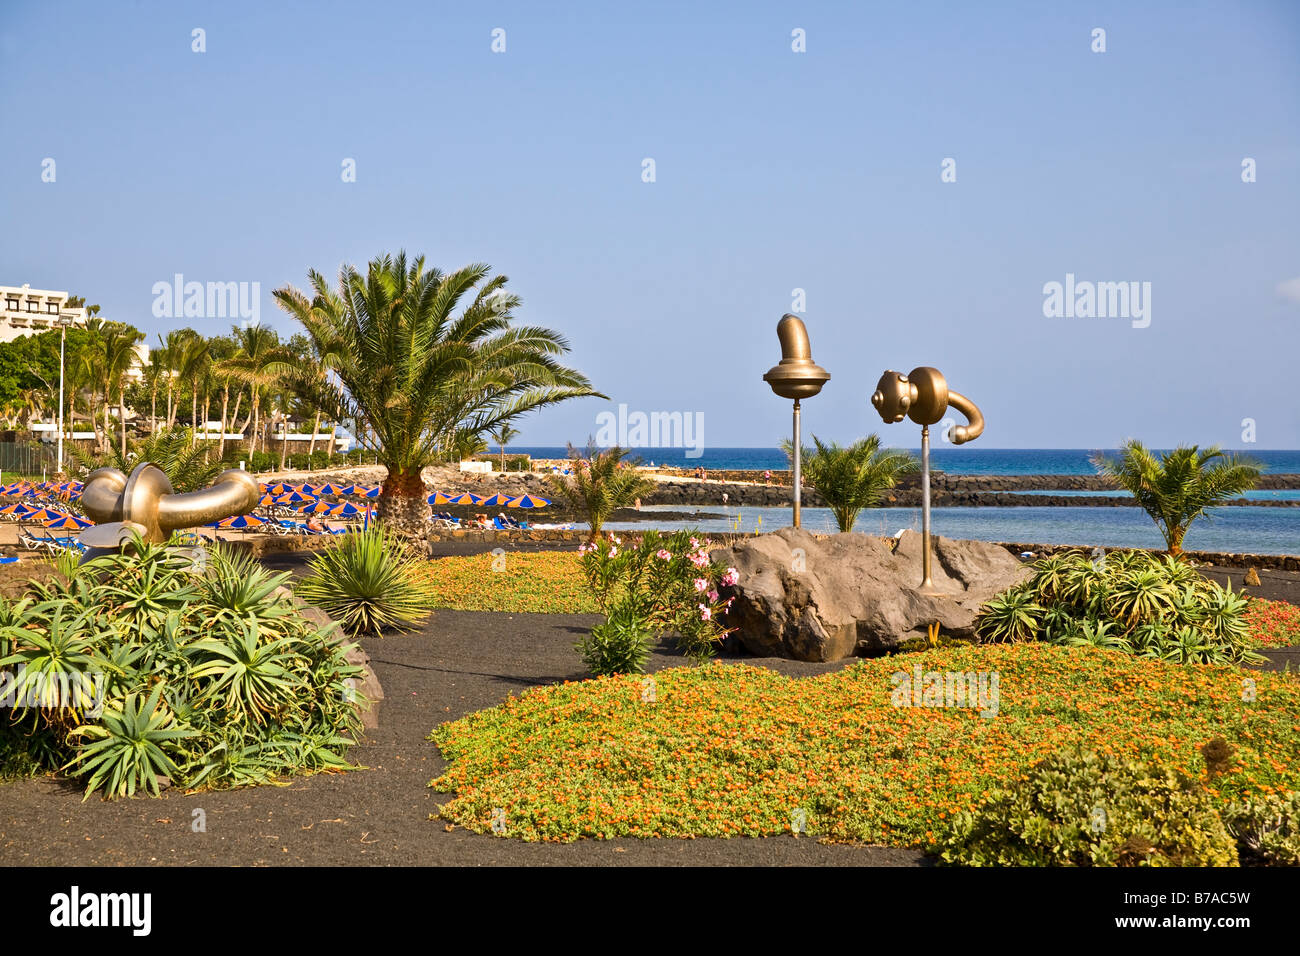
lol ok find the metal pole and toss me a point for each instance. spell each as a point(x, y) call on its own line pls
point(926, 583)
point(63, 334)
point(798, 471)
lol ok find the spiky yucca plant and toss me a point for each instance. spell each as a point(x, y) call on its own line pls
point(368, 582)
point(1177, 487)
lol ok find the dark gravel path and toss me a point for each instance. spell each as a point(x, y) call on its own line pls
point(460, 662)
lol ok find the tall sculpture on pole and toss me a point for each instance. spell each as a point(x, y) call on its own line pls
point(796, 376)
point(923, 396)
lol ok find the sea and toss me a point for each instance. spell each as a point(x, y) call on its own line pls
point(956, 461)
point(1237, 529)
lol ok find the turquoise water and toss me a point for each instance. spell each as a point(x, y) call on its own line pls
point(1284, 494)
point(957, 461)
point(1254, 530)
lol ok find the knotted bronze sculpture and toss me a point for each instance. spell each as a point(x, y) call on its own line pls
point(923, 396)
point(145, 504)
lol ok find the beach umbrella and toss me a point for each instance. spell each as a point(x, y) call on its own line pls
point(329, 488)
point(527, 501)
point(239, 521)
point(496, 501)
point(16, 508)
point(438, 498)
point(293, 498)
point(347, 490)
point(369, 492)
point(345, 509)
point(68, 523)
point(265, 501)
point(15, 489)
point(44, 514)
point(468, 498)
point(279, 488)
point(317, 508)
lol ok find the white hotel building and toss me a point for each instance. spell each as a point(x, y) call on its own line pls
point(28, 311)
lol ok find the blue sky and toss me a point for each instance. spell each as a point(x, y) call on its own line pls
point(775, 170)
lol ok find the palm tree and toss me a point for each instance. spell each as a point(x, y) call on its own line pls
point(257, 362)
point(600, 484)
point(850, 479)
point(193, 365)
point(412, 372)
point(1178, 487)
point(119, 356)
point(501, 435)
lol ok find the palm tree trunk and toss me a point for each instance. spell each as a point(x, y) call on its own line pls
point(194, 415)
point(315, 426)
point(225, 406)
point(284, 440)
point(121, 411)
point(402, 504)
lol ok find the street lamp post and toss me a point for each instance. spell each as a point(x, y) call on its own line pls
point(797, 376)
point(64, 320)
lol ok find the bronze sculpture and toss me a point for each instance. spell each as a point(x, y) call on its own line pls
point(145, 504)
point(796, 376)
point(923, 396)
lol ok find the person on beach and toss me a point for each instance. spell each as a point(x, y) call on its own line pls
point(314, 525)
point(637, 504)
point(767, 477)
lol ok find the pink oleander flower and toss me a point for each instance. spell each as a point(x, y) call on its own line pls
point(699, 560)
point(695, 543)
point(713, 596)
point(731, 577)
point(701, 584)
point(705, 613)
point(663, 554)
point(613, 551)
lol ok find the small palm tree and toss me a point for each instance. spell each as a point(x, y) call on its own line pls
point(850, 479)
point(501, 435)
point(175, 452)
point(600, 483)
point(1179, 486)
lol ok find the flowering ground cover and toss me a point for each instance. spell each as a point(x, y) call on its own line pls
point(1273, 623)
point(735, 750)
point(548, 582)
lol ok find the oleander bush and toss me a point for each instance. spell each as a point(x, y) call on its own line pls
point(1079, 809)
point(148, 664)
point(1152, 606)
point(369, 582)
point(656, 584)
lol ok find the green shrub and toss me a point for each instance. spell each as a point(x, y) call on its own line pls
point(1079, 809)
point(1151, 606)
point(620, 644)
point(368, 582)
point(1267, 829)
point(146, 664)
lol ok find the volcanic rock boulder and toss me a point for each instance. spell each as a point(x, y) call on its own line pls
point(823, 599)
